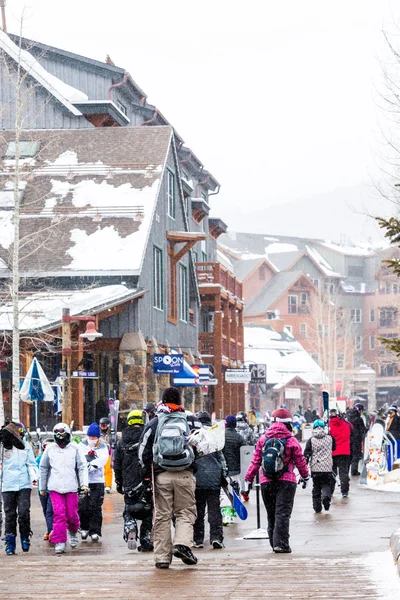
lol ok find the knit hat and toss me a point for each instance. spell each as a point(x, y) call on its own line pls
point(93, 430)
point(281, 415)
point(230, 421)
point(171, 395)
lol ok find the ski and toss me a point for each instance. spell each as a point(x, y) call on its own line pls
point(113, 409)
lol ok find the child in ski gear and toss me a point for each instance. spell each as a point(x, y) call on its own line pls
point(95, 453)
point(340, 430)
point(64, 473)
point(233, 442)
point(174, 487)
point(244, 429)
point(19, 474)
point(279, 487)
point(358, 434)
point(45, 499)
point(318, 454)
point(105, 428)
point(211, 470)
point(128, 478)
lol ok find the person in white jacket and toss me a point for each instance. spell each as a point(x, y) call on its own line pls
point(63, 473)
point(95, 452)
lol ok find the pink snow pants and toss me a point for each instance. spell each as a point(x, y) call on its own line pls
point(65, 508)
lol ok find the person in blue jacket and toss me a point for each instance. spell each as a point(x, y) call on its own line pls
point(19, 474)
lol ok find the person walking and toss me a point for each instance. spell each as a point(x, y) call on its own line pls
point(244, 429)
point(165, 452)
point(19, 475)
point(105, 429)
point(318, 454)
point(45, 501)
point(358, 434)
point(278, 452)
point(211, 470)
point(233, 442)
point(128, 478)
point(340, 430)
point(308, 415)
point(393, 421)
point(95, 454)
point(64, 473)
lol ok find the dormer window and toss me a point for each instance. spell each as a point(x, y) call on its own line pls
point(122, 107)
point(26, 149)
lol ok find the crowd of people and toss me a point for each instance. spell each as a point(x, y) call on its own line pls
point(165, 481)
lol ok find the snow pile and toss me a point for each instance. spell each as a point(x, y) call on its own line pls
point(382, 573)
point(277, 248)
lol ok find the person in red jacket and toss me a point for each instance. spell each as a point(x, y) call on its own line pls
point(278, 492)
point(340, 430)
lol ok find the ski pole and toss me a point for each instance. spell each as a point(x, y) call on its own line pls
point(258, 500)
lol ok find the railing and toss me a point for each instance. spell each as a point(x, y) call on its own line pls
point(206, 343)
point(216, 273)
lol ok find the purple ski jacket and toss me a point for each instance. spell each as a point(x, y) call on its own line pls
point(293, 455)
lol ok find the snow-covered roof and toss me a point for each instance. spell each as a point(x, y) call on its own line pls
point(271, 292)
point(284, 356)
point(224, 261)
point(91, 195)
point(348, 249)
point(278, 248)
point(321, 262)
point(64, 93)
point(43, 311)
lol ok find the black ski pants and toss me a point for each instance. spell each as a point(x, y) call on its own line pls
point(131, 516)
point(341, 463)
point(322, 489)
point(17, 505)
point(278, 498)
point(356, 456)
point(208, 498)
point(90, 509)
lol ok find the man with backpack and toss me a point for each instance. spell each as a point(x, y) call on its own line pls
point(278, 453)
point(165, 453)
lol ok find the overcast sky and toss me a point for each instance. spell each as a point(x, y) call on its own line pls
point(276, 98)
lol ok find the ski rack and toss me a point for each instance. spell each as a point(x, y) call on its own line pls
point(392, 449)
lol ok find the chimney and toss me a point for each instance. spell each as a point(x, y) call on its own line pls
point(3, 15)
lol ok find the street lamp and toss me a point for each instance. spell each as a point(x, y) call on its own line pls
point(90, 334)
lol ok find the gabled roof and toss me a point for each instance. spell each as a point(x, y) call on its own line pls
point(322, 265)
point(91, 194)
point(244, 268)
point(271, 292)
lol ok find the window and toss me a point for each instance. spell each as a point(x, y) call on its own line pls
point(303, 298)
point(358, 343)
point(121, 107)
point(261, 273)
point(330, 288)
point(204, 197)
point(372, 342)
point(195, 257)
point(292, 305)
point(204, 257)
point(26, 149)
point(395, 288)
point(315, 282)
point(386, 317)
point(185, 176)
point(372, 315)
point(389, 370)
point(322, 330)
point(303, 330)
point(158, 279)
point(340, 361)
point(183, 294)
point(388, 287)
point(187, 204)
point(356, 316)
point(171, 194)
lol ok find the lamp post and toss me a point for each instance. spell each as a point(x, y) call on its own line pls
point(90, 334)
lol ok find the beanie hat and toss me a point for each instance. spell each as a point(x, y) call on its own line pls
point(93, 430)
point(281, 415)
point(230, 421)
point(171, 395)
point(318, 423)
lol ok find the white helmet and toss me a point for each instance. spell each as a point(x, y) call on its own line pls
point(61, 428)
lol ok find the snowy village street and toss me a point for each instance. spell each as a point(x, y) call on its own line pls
point(340, 555)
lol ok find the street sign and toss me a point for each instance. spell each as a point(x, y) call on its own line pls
point(84, 374)
point(258, 373)
point(237, 376)
point(167, 363)
point(203, 372)
point(213, 382)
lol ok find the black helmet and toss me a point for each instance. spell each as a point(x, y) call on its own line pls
point(104, 421)
point(358, 406)
point(204, 417)
point(241, 416)
point(150, 407)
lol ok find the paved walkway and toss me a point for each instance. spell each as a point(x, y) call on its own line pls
point(336, 556)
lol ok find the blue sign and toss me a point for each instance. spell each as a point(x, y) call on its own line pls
point(167, 363)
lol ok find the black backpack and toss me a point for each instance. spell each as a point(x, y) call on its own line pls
point(273, 453)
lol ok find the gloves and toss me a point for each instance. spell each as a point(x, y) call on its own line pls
point(304, 481)
point(83, 490)
point(43, 493)
point(120, 488)
point(249, 485)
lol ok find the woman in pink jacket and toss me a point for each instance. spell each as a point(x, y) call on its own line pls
point(278, 452)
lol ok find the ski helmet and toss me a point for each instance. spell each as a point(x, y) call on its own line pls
point(135, 417)
point(62, 434)
point(21, 429)
point(204, 417)
point(281, 415)
point(150, 407)
point(241, 416)
point(318, 423)
point(358, 406)
point(104, 421)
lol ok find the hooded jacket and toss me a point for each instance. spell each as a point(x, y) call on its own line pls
point(19, 469)
point(95, 458)
point(340, 430)
point(318, 451)
point(293, 455)
point(127, 469)
point(233, 442)
point(63, 470)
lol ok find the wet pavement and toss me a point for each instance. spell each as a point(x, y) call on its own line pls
point(339, 555)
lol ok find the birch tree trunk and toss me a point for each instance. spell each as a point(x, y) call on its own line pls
point(2, 418)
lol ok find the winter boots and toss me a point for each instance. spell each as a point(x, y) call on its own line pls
point(130, 533)
point(25, 544)
point(9, 544)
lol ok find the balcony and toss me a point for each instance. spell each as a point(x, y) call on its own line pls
point(211, 274)
point(206, 343)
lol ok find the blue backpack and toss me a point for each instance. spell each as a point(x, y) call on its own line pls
point(273, 453)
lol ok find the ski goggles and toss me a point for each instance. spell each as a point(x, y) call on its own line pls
point(60, 431)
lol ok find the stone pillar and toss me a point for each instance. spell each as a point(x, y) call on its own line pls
point(132, 375)
point(153, 383)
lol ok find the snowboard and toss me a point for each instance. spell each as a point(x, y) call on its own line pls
point(236, 502)
point(113, 409)
point(375, 439)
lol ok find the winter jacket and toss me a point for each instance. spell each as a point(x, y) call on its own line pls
point(293, 455)
point(95, 459)
point(211, 469)
point(309, 416)
point(340, 430)
point(127, 468)
point(63, 470)
point(359, 430)
point(318, 451)
point(233, 443)
point(393, 426)
point(246, 432)
point(19, 469)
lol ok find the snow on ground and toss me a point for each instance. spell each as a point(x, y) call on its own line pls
point(383, 573)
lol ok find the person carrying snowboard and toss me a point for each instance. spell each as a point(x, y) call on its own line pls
point(129, 481)
point(318, 454)
point(164, 450)
point(64, 473)
point(95, 453)
point(278, 453)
